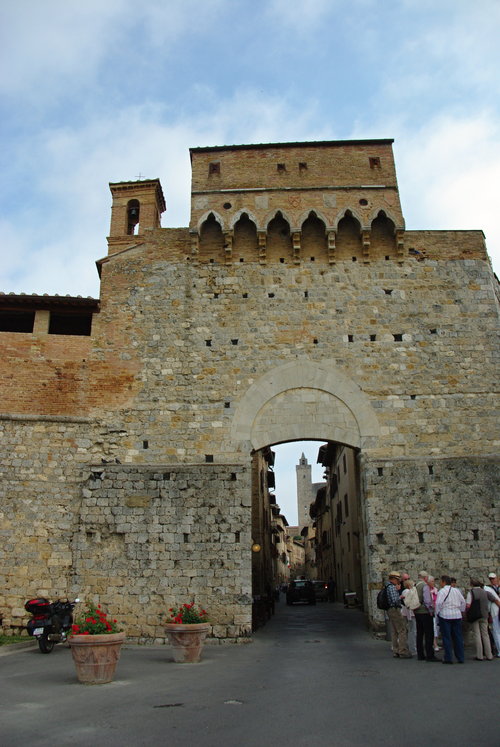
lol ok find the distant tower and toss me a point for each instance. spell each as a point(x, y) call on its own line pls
point(304, 490)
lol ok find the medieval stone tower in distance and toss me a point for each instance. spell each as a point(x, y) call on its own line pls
point(295, 306)
point(306, 491)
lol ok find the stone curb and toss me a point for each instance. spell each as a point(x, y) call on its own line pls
point(10, 648)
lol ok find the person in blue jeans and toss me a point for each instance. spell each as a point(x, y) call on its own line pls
point(450, 604)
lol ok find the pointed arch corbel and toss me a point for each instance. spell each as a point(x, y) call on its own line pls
point(272, 215)
point(207, 215)
point(354, 213)
point(318, 213)
point(374, 214)
point(237, 216)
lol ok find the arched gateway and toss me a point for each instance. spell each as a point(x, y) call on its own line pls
point(304, 400)
point(295, 305)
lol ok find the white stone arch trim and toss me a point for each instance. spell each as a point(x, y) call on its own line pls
point(374, 214)
point(354, 213)
point(204, 217)
point(239, 213)
point(304, 380)
point(270, 216)
point(305, 215)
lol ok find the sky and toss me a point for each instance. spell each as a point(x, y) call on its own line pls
point(286, 458)
point(99, 92)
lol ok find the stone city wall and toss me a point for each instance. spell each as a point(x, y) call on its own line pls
point(435, 514)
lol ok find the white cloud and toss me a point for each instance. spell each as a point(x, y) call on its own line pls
point(61, 236)
point(448, 173)
point(50, 48)
point(54, 39)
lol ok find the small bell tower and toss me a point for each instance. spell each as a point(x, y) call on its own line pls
point(136, 207)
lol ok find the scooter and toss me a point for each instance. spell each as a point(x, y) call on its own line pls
point(51, 621)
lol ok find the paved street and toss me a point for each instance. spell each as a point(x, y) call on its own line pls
point(312, 676)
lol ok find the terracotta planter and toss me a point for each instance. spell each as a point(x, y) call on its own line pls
point(187, 640)
point(96, 656)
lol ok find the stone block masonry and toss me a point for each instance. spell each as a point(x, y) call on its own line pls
point(153, 537)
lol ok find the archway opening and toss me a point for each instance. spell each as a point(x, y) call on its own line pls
point(306, 524)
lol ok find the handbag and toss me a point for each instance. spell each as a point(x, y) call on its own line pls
point(474, 611)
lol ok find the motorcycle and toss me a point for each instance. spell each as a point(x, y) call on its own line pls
point(51, 621)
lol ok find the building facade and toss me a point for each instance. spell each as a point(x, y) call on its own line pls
point(337, 519)
point(294, 306)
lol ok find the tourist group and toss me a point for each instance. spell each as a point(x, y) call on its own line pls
point(420, 613)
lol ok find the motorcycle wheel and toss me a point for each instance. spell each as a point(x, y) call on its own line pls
point(45, 645)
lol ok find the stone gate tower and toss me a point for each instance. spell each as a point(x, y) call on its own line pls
point(294, 306)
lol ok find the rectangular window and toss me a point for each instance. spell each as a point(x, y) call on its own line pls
point(70, 324)
point(17, 321)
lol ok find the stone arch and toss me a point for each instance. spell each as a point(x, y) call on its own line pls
point(349, 212)
point(349, 241)
point(272, 215)
point(239, 214)
point(305, 215)
point(211, 244)
point(314, 242)
point(245, 241)
point(383, 236)
point(304, 400)
point(206, 216)
point(279, 238)
point(133, 217)
point(376, 212)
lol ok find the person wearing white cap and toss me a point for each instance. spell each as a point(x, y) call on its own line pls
point(494, 610)
point(397, 623)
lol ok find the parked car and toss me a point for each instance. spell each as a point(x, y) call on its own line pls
point(300, 590)
point(320, 591)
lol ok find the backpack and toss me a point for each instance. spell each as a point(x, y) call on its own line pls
point(411, 599)
point(382, 599)
point(474, 611)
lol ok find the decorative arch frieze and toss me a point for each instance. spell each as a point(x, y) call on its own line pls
point(207, 215)
point(374, 214)
point(354, 213)
point(234, 220)
point(272, 215)
point(319, 214)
